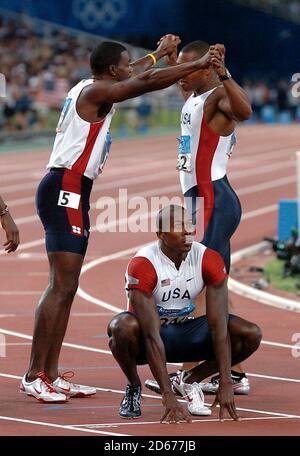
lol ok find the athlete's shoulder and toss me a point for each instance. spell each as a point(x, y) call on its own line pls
point(216, 94)
point(148, 251)
point(197, 247)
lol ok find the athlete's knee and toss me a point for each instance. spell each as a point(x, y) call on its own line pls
point(65, 290)
point(122, 327)
point(254, 336)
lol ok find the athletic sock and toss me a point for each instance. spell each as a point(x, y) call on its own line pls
point(238, 375)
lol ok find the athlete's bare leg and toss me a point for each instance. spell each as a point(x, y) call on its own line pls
point(52, 313)
point(200, 310)
point(245, 339)
point(124, 336)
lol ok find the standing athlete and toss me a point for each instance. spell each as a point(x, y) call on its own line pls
point(214, 102)
point(80, 150)
point(162, 280)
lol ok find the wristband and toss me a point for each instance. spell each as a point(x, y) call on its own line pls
point(153, 58)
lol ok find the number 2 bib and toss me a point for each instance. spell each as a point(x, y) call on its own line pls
point(184, 160)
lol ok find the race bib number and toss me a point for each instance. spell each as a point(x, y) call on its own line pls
point(184, 161)
point(69, 199)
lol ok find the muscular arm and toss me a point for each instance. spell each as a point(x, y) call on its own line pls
point(146, 313)
point(155, 79)
point(217, 315)
point(166, 45)
point(234, 102)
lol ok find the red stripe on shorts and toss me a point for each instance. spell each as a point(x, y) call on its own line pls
point(207, 146)
point(71, 182)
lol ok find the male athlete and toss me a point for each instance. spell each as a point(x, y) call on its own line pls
point(214, 103)
point(80, 150)
point(10, 228)
point(163, 280)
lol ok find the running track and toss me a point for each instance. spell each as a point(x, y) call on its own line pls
point(262, 170)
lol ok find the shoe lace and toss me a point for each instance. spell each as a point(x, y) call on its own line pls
point(66, 376)
point(46, 381)
point(132, 397)
point(195, 394)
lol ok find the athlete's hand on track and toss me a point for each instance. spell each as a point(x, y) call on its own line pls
point(225, 399)
point(174, 412)
point(12, 233)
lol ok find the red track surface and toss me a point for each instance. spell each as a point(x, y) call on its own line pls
point(262, 171)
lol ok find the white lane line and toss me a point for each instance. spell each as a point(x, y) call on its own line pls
point(15, 344)
point(260, 211)
point(108, 352)
point(20, 293)
point(270, 377)
point(60, 426)
point(204, 420)
point(74, 314)
point(266, 185)
point(158, 176)
point(27, 245)
point(175, 188)
point(65, 344)
point(263, 412)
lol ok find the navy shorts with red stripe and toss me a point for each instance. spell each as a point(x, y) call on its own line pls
point(189, 341)
point(66, 228)
point(222, 214)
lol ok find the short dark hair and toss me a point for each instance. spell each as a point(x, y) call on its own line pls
point(105, 54)
point(199, 47)
point(166, 215)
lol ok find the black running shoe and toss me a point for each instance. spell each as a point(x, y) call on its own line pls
point(130, 406)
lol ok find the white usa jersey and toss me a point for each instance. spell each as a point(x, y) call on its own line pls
point(203, 155)
point(79, 145)
point(172, 289)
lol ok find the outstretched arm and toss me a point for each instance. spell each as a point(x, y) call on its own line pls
point(108, 92)
point(234, 102)
point(146, 313)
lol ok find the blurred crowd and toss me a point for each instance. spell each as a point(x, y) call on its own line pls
point(289, 9)
point(41, 65)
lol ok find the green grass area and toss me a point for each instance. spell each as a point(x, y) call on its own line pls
point(273, 272)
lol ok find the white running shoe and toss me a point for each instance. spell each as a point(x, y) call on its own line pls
point(63, 385)
point(192, 393)
point(41, 389)
point(239, 385)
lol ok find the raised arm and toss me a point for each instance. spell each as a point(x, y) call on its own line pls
point(106, 92)
point(166, 46)
point(217, 315)
point(171, 60)
point(146, 313)
point(233, 100)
